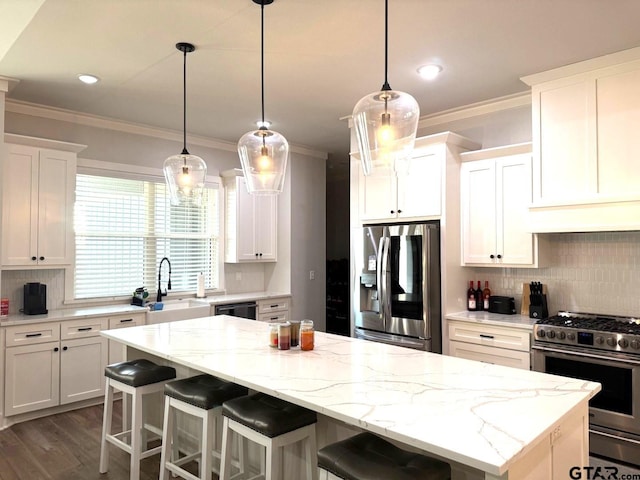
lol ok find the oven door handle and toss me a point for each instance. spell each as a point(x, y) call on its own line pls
point(573, 354)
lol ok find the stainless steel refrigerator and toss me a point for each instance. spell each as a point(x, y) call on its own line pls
point(397, 285)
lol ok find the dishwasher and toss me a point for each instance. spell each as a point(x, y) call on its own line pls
point(243, 310)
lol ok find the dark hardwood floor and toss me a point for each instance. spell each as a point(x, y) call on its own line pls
point(65, 446)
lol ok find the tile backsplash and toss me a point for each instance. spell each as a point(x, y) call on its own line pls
point(13, 282)
point(586, 272)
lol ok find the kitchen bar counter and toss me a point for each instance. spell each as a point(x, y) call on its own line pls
point(500, 421)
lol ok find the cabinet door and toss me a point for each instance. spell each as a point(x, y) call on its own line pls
point(20, 206)
point(82, 364)
point(420, 190)
point(56, 187)
point(117, 349)
point(246, 223)
point(493, 355)
point(513, 197)
point(266, 222)
point(32, 377)
point(378, 194)
point(478, 210)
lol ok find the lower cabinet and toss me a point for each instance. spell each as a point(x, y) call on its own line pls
point(117, 349)
point(493, 344)
point(54, 363)
point(274, 309)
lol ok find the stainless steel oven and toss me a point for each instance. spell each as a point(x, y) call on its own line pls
point(603, 356)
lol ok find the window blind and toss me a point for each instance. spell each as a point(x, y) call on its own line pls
point(123, 228)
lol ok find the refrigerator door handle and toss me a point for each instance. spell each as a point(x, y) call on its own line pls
point(386, 298)
point(380, 286)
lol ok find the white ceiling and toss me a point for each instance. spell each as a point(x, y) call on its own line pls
point(321, 56)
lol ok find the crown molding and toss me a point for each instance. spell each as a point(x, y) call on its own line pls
point(60, 114)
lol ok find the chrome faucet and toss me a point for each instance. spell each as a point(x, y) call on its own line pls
point(160, 294)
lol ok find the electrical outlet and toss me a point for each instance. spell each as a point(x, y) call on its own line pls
point(312, 274)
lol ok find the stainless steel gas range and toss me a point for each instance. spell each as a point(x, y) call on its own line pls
point(605, 349)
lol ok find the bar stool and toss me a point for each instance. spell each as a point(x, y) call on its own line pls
point(368, 457)
point(272, 423)
point(200, 396)
point(135, 378)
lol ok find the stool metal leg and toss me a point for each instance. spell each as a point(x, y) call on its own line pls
point(106, 427)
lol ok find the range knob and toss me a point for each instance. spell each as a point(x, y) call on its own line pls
point(611, 342)
point(571, 336)
point(599, 340)
point(562, 335)
point(623, 342)
point(551, 334)
point(541, 333)
point(635, 344)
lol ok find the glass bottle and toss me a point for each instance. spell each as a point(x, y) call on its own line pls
point(273, 335)
point(306, 335)
point(284, 336)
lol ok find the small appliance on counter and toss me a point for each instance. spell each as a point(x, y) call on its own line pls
point(35, 299)
point(503, 305)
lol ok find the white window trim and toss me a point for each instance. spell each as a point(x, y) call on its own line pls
point(134, 172)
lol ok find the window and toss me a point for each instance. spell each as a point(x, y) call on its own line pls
point(124, 227)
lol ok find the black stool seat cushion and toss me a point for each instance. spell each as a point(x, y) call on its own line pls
point(268, 415)
point(368, 457)
point(137, 373)
point(204, 391)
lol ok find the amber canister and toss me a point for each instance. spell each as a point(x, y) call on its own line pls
point(306, 335)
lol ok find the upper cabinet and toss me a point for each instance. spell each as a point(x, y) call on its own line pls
point(495, 195)
point(250, 222)
point(413, 190)
point(38, 185)
point(585, 122)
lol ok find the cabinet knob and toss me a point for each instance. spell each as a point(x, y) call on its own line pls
point(392, 212)
point(256, 254)
point(33, 258)
point(399, 211)
point(260, 254)
point(499, 256)
point(41, 258)
point(492, 256)
point(65, 348)
point(56, 349)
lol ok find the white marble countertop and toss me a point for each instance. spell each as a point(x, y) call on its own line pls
point(242, 297)
point(481, 415)
point(70, 314)
point(515, 321)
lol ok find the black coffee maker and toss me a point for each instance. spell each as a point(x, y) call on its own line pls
point(35, 299)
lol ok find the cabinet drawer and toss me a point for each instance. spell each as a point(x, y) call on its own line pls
point(32, 334)
point(86, 327)
point(122, 321)
point(274, 317)
point(493, 355)
point(273, 305)
point(490, 335)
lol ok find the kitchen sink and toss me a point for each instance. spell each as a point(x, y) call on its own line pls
point(182, 309)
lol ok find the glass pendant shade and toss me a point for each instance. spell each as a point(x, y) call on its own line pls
point(185, 175)
point(264, 155)
point(386, 123)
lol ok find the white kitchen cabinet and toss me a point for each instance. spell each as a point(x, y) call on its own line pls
point(274, 309)
point(498, 345)
point(585, 143)
point(412, 191)
point(38, 186)
point(250, 222)
point(495, 195)
point(117, 349)
point(53, 363)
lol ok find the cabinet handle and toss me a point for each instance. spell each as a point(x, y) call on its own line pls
point(85, 329)
point(490, 337)
point(274, 306)
point(31, 335)
point(492, 256)
point(392, 212)
point(260, 254)
point(33, 258)
point(41, 258)
point(273, 318)
point(126, 320)
point(399, 211)
point(56, 349)
point(499, 256)
point(65, 348)
point(256, 254)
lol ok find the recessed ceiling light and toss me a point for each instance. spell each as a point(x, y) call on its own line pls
point(87, 78)
point(429, 72)
point(266, 124)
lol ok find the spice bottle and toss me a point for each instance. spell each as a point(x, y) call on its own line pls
point(306, 335)
point(284, 336)
point(273, 335)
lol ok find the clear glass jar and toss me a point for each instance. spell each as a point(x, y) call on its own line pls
point(306, 335)
point(295, 332)
point(273, 335)
point(284, 336)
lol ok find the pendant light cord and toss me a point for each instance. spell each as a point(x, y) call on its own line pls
point(184, 104)
point(386, 45)
point(262, 58)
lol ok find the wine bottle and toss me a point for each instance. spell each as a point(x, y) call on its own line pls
point(471, 298)
point(478, 293)
point(486, 293)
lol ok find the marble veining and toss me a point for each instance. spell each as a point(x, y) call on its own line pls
point(481, 415)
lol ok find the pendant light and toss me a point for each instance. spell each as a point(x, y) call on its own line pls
point(185, 173)
point(386, 121)
point(263, 152)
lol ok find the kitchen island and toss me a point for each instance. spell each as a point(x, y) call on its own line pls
point(489, 421)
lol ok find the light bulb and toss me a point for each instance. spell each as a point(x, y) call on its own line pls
point(264, 162)
point(184, 179)
point(385, 131)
